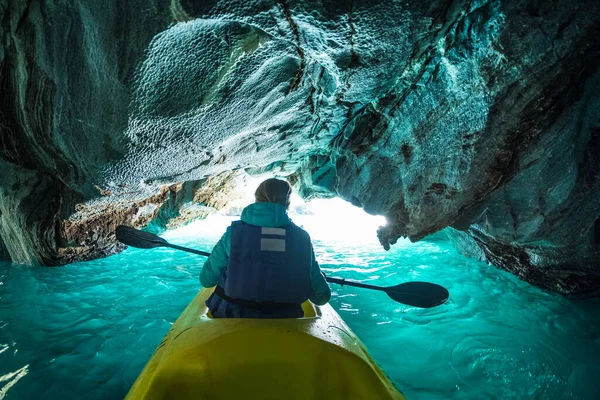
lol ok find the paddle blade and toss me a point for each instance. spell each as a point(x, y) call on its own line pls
point(419, 294)
point(136, 238)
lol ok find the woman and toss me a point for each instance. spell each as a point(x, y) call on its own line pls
point(264, 266)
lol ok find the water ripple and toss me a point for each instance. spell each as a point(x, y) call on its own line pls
point(86, 330)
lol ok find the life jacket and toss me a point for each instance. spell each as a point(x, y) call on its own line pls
point(268, 264)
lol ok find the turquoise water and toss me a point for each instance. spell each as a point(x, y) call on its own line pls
point(86, 330)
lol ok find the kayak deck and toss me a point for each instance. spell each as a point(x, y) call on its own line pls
point(312, 357)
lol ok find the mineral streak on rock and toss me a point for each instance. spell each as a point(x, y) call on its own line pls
point(483, 116)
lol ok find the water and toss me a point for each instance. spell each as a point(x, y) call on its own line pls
point(86, 330)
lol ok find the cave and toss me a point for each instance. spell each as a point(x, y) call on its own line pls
point(475, 121)
point(476, 117)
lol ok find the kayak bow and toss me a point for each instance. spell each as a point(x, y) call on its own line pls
point(315, 357)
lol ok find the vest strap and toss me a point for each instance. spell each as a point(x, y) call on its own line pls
point(266, 306)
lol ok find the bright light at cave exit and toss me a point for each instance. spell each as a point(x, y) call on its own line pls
point(324, 219)
point(337, 220)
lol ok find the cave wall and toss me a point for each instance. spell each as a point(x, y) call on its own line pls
point(66, 74)
point(476, 115)
point(28, 210)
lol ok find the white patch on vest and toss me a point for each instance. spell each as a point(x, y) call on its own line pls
point(273, 231)
point(272, 244)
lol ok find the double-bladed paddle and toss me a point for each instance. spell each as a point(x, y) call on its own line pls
point(416, 294)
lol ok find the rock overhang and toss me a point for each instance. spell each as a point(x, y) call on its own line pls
point(477, 115)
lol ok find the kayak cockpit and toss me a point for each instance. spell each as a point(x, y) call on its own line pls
point(310, 311)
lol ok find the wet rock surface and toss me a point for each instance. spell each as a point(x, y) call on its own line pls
point(482, 116)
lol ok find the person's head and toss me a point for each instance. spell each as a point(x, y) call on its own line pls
point(274, 191)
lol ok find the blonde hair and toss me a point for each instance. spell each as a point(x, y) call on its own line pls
point(274, 191)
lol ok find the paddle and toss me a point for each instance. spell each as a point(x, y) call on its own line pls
point(146, 240)
point(416, 294)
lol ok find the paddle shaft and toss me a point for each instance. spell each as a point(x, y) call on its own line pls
point(342, 282)
point(174, 246)
point(339, 281)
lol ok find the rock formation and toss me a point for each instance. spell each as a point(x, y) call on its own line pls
point(481, 116)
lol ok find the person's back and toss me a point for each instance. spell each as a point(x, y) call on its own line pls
point(264, 265)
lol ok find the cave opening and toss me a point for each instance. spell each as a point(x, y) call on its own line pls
point(333, 220)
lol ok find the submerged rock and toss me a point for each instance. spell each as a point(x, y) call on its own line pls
point(481, 116)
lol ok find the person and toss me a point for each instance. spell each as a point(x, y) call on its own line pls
point(264, 266)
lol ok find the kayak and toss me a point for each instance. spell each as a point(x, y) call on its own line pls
point(315, 357)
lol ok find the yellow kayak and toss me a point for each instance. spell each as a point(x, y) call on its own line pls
point(315, 357)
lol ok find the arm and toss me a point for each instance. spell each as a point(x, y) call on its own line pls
point(320, 288)
point(218, 259)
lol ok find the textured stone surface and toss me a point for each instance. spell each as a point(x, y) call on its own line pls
point(89, 232)
point(66, 75)
point(478, 115)
point(30, 204)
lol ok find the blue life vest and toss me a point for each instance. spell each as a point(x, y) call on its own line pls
point(268, 264)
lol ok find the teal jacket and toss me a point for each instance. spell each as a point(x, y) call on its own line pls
point(269, 215)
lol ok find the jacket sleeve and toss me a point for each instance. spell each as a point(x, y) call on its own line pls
point(218, 259)
point(320, 288)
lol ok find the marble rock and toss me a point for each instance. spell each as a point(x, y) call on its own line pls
point(481, 117)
